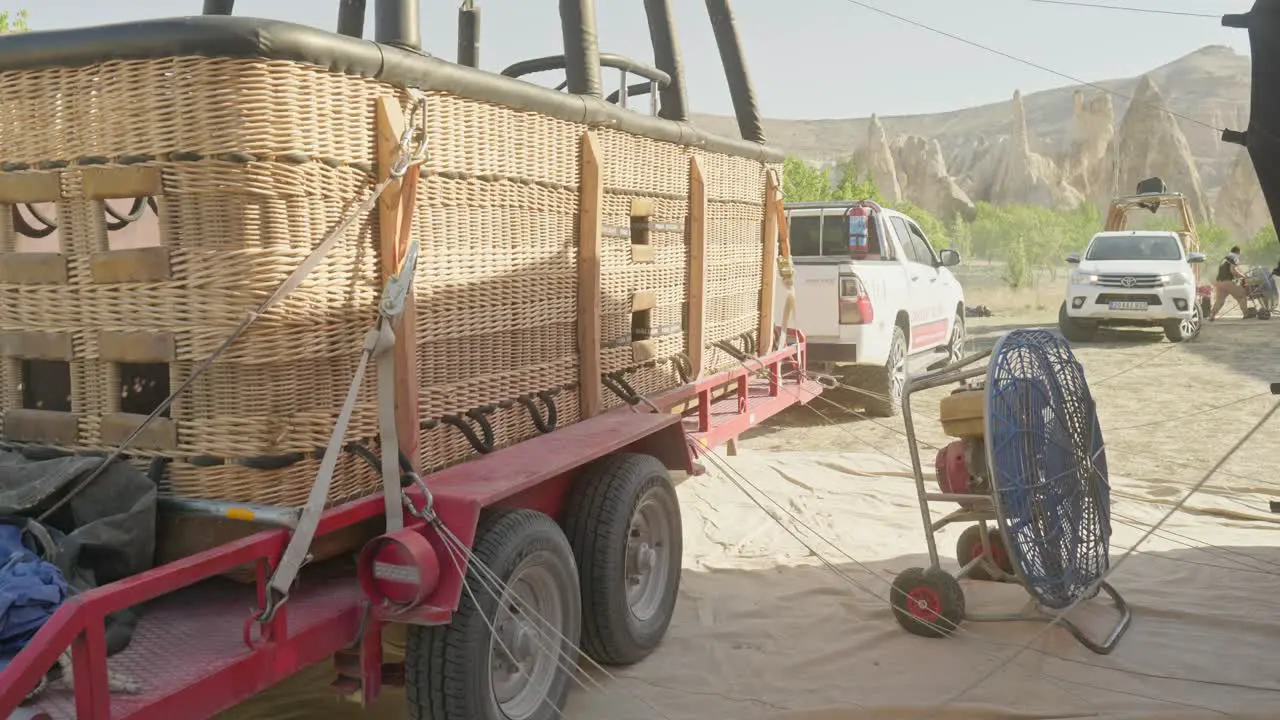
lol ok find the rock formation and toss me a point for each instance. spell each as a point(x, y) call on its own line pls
point(1084, 165)
point(877, 160)
point(923, 178)
point(1022, 176)
point(1241, 208)
point(1150, 144)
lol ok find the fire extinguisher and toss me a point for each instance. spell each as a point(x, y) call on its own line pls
point(858, 219)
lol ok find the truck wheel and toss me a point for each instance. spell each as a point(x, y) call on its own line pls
point(883, 385)
point(1074, 330)
point(1184, 329)
point(623, 522)
point(955, 347)
point(495, 660)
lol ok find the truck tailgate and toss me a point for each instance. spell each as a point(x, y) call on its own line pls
point(817, 301)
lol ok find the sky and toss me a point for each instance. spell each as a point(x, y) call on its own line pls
point(809, 59)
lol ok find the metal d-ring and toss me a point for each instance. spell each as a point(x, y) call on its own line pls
point(477, 415)
point(548, 398)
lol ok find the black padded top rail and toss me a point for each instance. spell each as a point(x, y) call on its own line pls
point(244, 37)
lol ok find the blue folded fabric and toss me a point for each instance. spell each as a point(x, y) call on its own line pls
point(30, 592)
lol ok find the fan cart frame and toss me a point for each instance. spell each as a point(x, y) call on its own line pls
point(979, 509)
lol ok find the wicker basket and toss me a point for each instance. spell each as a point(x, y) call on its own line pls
point(250, 162)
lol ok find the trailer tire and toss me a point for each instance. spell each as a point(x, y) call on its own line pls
point(449, 669)
point(623, 517)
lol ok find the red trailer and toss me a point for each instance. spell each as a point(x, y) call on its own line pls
point(198, 651)
point(593, 307)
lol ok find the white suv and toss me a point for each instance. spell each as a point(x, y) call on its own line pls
point(1133, 278)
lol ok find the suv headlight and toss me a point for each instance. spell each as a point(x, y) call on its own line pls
point(1083, 278)
point(1176, 279)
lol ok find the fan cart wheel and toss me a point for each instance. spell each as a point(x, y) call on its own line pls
point(1264, 314)
point(495, 660)
point(1185, 329)
point(1075, 330)
point(883, 385)
point(969, 547)
point(927, 602)
point(623, 522)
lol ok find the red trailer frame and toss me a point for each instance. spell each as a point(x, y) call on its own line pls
point(193, 652)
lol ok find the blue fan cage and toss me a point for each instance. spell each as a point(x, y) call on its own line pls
point(1048, 466)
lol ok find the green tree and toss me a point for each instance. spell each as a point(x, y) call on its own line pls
point(1263, 248)
point(13, 22)
point(1017, 273)
point(802, 182)
point(933, 228)
point(853, 183)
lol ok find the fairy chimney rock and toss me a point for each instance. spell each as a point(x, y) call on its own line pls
point(923, 178)
point(1241, 207)
point(1093, 127)
point(1150, 144)
point(1023, 177)
point(879, 162)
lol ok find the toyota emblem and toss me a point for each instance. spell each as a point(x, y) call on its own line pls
point(1127, 281)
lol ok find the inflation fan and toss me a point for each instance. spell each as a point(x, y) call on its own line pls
point(1029, 457)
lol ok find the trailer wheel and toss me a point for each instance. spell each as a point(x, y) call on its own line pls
point(623, 521)
point(496, 661)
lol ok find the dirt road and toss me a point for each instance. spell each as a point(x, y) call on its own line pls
point(1168, 412)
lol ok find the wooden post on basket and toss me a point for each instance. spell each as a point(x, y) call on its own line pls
point(768, 264)
point(697, 308)
point(395, 217)
point(590, 219)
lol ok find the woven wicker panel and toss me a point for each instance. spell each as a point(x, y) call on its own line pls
point(288, 487)
point(258, 161)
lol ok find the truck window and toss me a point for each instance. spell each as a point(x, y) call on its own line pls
point(904, 239)
point(920, 244)
point(1134, 247)
point(835, 235)
point(805, 236)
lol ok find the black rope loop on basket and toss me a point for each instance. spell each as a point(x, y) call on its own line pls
point(735, 353)
point(22, 227)
point(548, 398)
point(136, 211)
point(478, 416)
point(683, 366)
point(617, 383)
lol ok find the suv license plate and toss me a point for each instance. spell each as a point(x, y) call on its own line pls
point(1139, 306)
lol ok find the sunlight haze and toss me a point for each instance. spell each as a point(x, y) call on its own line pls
point(808, 58)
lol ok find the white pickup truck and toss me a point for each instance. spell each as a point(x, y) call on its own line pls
point(1132, 278)
point(865, 316)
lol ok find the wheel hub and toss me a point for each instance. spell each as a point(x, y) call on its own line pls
point(648, 557)
point(523, 654)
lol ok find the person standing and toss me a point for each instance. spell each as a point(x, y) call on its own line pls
point(1227, 282)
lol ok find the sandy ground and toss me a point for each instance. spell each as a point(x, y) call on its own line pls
point(763, 630)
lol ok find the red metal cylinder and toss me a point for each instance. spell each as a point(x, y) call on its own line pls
point(400, 569)
point(953, 472)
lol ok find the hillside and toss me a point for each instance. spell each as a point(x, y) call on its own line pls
point(1210, 85)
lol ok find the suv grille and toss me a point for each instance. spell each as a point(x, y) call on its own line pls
point(1107, 298)
point(1134, 281)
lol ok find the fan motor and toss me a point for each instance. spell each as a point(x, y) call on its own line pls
point(961, 468)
